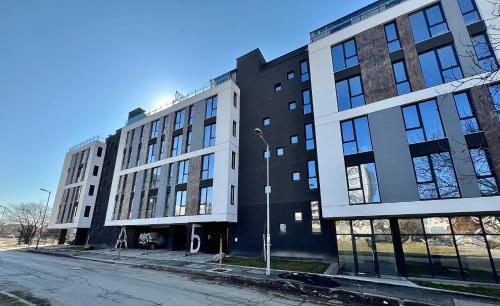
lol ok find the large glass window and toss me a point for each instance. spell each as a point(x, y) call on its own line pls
point(206, 195)
point(155, 177)
point(422, 122)
point(180, 203)
point(344, 246)
point(209, 137)
point(313, 175)
point(179, 120)
point(207, 170)
point(155, 126)
point(176, 146)
point(436, 176)
point(362, 184)
point(151, 153)
point(183, 171)
point(401, 78)
point(466, 113)
point(428, 23)
point(306, 99)
point(309, 137)
point(151, 206)
point(163, 150)
point(495, 98)
point(485, 178)
point(315, 217)
point(304, 71)
point(392, 36)
point(440, 66)
point(350, 93)
point(191, 115)
point(486, 58)
point(356, 136)
point(469, 11)
point(345, 55)
point(211, 107)
point(188, 142)
point(414, 247)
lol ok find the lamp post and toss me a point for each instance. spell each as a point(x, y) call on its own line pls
point(258, 133)
point(3, 213)
point(43, 218)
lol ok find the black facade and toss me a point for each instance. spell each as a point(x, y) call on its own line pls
point(267, 91)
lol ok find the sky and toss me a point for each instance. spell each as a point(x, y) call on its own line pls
point(70, 70)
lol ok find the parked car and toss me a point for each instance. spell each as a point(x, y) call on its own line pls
point(11, 236)
point(151, 240)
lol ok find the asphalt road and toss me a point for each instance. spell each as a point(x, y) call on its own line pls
point(48, 280)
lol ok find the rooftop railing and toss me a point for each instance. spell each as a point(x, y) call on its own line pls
point(353, 18)
point(85, 142)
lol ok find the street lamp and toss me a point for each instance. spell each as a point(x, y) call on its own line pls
point(43, 218)
point(258, 133)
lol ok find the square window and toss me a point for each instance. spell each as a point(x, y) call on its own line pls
point(266, 121)
point(296, 176)
point(298, 216)
point(290, 75)
point(265, 154)
point(280, 151)
point(294, 139)
point(292, 105)
point(277, 87)
point(282, 228)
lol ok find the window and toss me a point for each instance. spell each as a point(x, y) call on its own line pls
point(440, 66)
point(170, 171)
point(401, 77)
point(155, 125)
point(165, 125)
point(206, 195)
point(86, 213)
point(207, 171)
point(296, 176)
point(428, 23)
point(306, 99)
point(282, 228)
point(176, 146)
point(290, 75)
point(180, 203)
point(95, 171)
point(191, 115)
point(292, 105)
point(356, 136)
point(91, 190)
point(309, 137)
point(266, 154)
point(233, 194)
point(163, 146)
point(266, 121)
point(313, 176)
point(144, 181)
point(294, 139)
point(179, 120)
point(422, 122)
point(315, 217)
point(466, 114)
point(155, 177)
point(435, 176)
point(209, 137)
point(183, 171)
point(137, 157)
point(189, 140)
point(151, 206)
point(277, 87)
point(485, 179)
point(234, 128)
point(233, 160)
point(235, 100)
point(495, 98)
point(298, 216)
point(350, 93)
point(99, 151)
point(304, 71)
point(392, 36)
point(486, 58)
point(211, 107)
point(362, 184)
point(280, 151)
point(345, 55)
point(469, 11)
point(151, 153)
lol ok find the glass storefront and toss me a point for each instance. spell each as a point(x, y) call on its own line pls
point(461, 247)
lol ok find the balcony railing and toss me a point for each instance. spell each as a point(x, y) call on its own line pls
point(353, 18)
point(86, 141)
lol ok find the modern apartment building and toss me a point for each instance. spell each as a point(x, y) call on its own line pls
point(384, 137)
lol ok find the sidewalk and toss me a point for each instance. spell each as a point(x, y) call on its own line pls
point(365, 291)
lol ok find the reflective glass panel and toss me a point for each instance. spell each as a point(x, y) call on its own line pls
point(474, 258)
point(385, 254)
point(443, 256)
point(437, 225)
point(345, 253)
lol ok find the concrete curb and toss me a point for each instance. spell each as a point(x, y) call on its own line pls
point(16, 298)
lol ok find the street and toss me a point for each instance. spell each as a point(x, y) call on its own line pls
point(48, 280)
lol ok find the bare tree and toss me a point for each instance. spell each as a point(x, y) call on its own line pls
point(28, 216)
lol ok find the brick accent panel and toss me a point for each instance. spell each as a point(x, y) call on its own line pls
point(142, 212)
point(144, 147)
point(376, 67)
point(489, 124)
point(193, 186)
point(127, 194)
point(411, 56)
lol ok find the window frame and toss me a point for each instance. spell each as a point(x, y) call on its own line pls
point(212, 128)
point(314, 177)
point(407, 80)
point(304, 71)
point(211, 105)
point(345, 59)
point(179, 119)
point(421, 122)
point(466, 118)
point(361, 183)
point(351, 97)
point(355, 134)
point(208, 172)
point(440, 65)
point(397, 39)
point(307, 107)
point(427, 24)
point(474, 9)
point(309, 140)
point(487, 44)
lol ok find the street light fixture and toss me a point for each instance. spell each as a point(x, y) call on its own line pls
point(43, 218)
point(258, 133)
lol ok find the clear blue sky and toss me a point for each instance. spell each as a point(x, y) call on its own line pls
point(70, 70)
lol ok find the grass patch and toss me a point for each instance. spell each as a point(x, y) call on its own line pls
point(280, 264)
point(488, 291)
point(10, 301)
